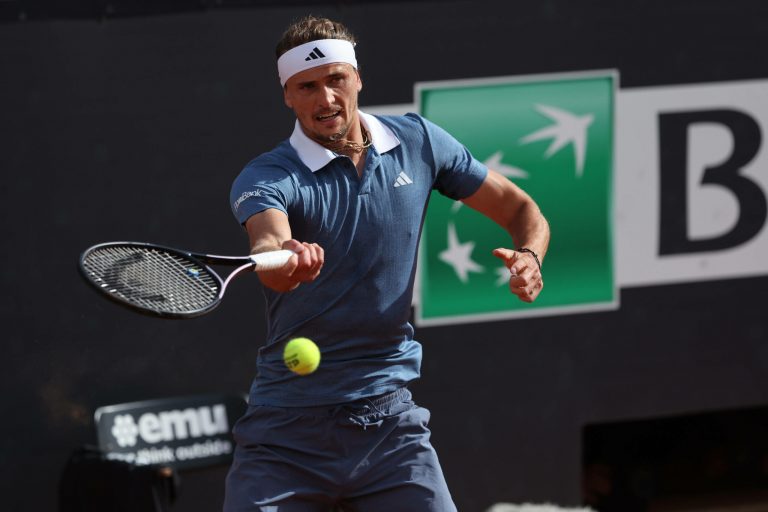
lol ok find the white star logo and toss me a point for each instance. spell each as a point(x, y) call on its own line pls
point(459, 255)
point(494, 162)
point(568, 128)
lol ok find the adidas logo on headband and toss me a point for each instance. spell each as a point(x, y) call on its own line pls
point(315, 54)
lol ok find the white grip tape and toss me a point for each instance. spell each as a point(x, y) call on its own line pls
point(271, 259)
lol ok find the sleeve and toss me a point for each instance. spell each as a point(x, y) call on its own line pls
point(458, 173)
point(261, 186)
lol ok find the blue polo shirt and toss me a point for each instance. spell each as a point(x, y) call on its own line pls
point(357, 310)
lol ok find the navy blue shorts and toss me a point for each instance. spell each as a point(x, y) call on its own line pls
point(365, 456)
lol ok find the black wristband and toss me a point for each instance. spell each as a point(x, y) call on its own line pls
point(535, 256)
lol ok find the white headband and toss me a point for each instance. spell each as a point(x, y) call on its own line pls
point(312, 54)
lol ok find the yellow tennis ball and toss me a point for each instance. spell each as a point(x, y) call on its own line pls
point(301, 356)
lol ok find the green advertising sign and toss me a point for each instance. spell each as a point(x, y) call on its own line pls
point(553, 136)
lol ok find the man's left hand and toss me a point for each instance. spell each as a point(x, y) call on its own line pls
point(526, 281)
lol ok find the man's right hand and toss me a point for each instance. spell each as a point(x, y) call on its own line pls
point(302, 267)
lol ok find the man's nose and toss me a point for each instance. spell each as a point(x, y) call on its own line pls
point(327, 96)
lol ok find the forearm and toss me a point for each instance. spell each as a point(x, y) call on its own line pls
point(266, 244)
point(529, 228)
point(269, 231)
point(514, 210)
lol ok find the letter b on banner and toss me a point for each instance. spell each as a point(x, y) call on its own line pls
point(675, 146)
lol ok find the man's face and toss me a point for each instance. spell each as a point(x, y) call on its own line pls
point(324, 100)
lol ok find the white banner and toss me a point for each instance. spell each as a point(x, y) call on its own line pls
point(712, 209)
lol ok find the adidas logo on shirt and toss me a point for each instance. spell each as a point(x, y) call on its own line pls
point(315, 54)
point(402, 179)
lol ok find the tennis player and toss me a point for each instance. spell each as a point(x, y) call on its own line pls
point(348, 192)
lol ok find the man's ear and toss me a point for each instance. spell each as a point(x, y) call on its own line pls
point(286, 98)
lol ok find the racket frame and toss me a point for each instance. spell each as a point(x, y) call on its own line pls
point(247, 263)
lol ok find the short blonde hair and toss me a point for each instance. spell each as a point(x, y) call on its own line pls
point(311, 28)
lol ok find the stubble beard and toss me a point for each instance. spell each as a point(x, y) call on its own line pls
point(334, 138)
point(338, 142)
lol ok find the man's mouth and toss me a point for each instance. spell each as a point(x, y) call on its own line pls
point(328, 116)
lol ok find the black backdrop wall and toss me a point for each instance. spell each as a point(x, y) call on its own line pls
point(133, 128)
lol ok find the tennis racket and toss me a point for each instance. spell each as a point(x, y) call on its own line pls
point(166, 282)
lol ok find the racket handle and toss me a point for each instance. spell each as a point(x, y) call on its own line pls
point(271, 259)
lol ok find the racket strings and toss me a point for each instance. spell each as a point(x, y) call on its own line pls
point(152, 279)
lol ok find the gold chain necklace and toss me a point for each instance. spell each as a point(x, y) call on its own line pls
point(347, 146)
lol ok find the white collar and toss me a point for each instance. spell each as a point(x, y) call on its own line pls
point(316, 156)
